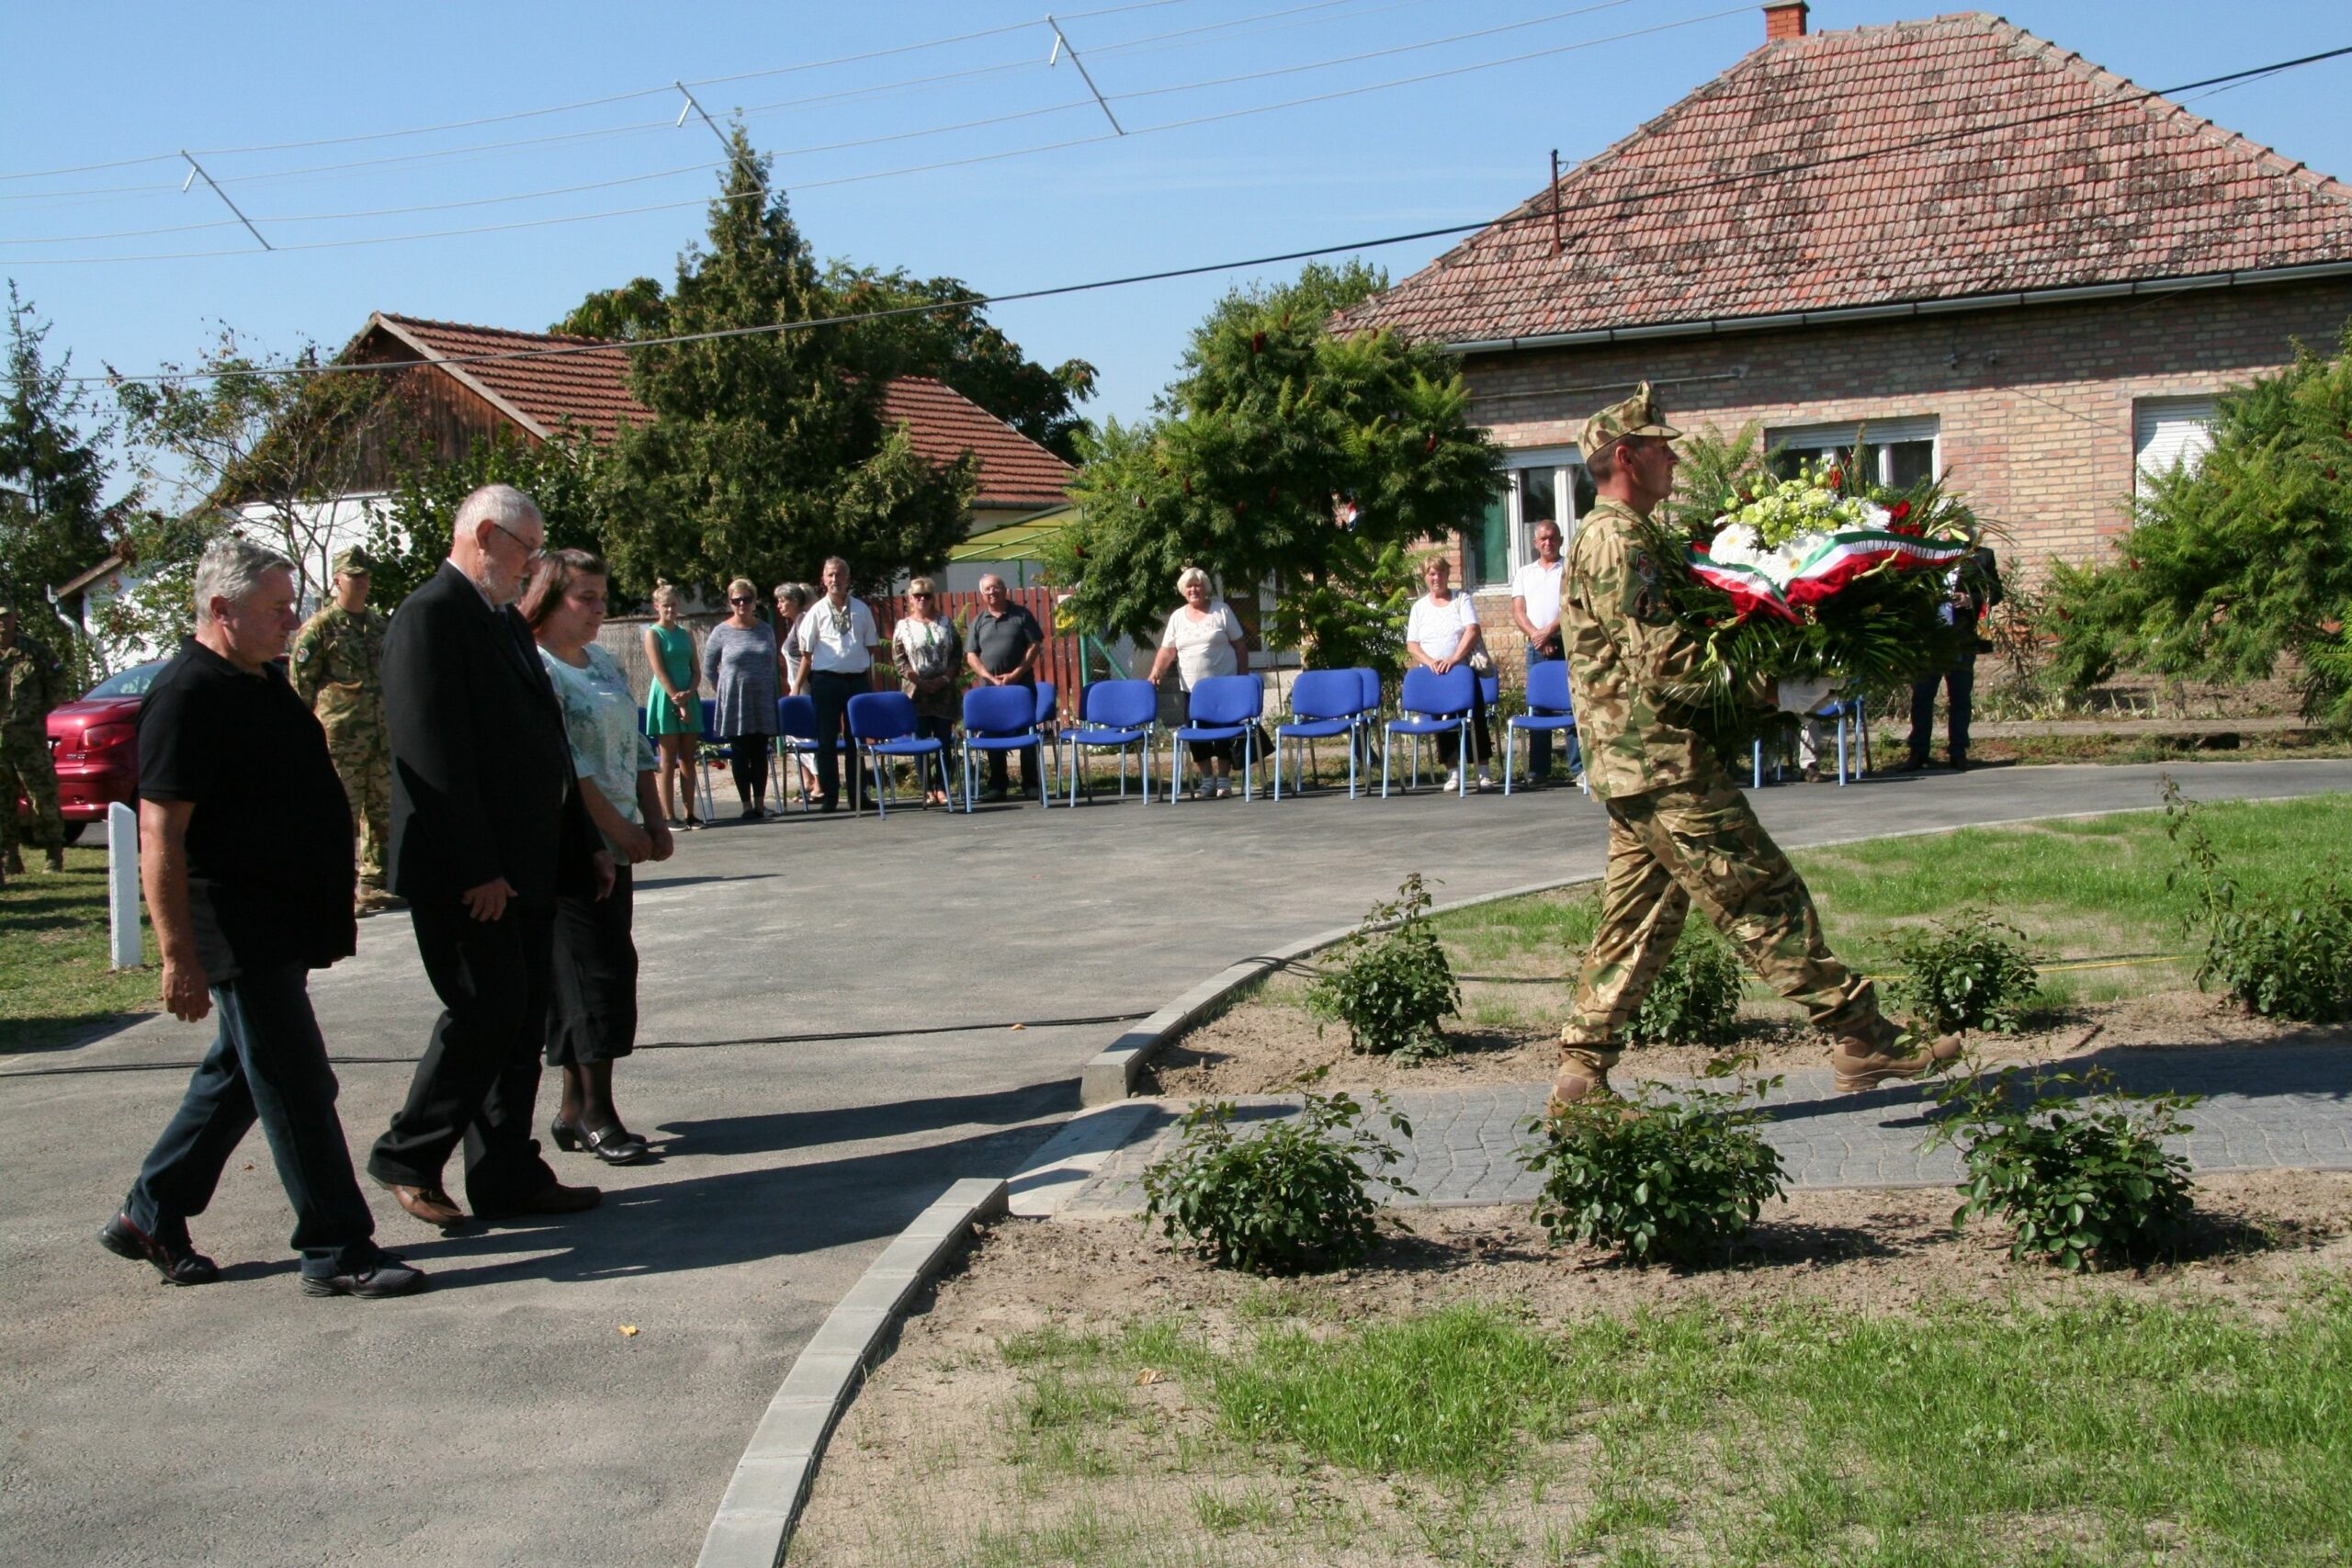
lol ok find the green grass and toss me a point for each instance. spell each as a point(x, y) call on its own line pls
point(54, 981)
point(2114, 1432)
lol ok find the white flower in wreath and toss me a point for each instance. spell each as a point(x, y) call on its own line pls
point(1735, 546)
point(1876, 516)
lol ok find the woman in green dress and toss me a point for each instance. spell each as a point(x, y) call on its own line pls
point(672, 712)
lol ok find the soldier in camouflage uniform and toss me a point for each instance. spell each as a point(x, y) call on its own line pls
point(31, 683)
point(1679, 828)
point(337, 667)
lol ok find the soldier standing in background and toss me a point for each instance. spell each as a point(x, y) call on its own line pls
point(31, 682)
point(337, 667)
point(1679, 828)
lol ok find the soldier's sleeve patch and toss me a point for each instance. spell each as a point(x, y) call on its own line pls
point(1646, 601)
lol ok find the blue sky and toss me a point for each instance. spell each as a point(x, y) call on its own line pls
point(119, 82)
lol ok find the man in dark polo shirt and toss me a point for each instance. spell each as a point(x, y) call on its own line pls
point(245, 851)
point(1003, 653)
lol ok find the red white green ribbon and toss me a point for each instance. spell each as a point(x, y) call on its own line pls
point(1841, 558)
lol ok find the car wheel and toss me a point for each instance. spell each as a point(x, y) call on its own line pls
point(73, 831)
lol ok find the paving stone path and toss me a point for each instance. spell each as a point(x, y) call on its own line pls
point(2271, 1106)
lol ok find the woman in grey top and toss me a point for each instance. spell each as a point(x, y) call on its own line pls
point(738, 660)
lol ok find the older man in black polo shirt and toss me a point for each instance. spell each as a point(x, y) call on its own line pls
point(1004, 643)
point(244, 849)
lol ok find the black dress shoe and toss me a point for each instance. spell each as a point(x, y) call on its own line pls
point(554, 1198)
point(386, 1276)
point(614, 1144)
point(174, 1258)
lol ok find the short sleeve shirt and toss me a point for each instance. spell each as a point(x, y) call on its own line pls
point(1539, 586)
point(999, 641)
point(839, 642)
point(600, 720)
point(269, 861)
point(1203, 647)
point(1439, 629)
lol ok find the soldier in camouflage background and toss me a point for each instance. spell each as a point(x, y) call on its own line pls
point(1679, 828)
point(31, 683)
point(337, 666)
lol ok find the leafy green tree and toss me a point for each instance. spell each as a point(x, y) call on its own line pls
point(271, 452)
point(53, 479)
point(410, 537)
point(767, 452)
point(956, 344)
point(2240, 564)
point(1276, 430)
point(636, 309)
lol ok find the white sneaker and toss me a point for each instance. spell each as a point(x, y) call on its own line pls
point(1224, 787)
point(1452, 778)
point(1485, 780)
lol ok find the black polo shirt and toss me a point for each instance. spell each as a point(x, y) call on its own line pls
point(270, 843)
point(999, 641)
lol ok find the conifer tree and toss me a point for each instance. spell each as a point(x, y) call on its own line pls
point(52, 476)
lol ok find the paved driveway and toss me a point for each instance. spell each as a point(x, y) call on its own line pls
point(832, 999)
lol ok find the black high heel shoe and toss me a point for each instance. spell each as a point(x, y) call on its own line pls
point(614, 1144)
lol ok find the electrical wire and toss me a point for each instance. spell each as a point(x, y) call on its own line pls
point(1538, 215)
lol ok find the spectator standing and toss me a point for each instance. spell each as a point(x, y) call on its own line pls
point(1203, 637)
point(1003, 653)
point(673, 707)
point(791, 604)
point(835, 643)
point(1535, 606)
point(738, 660)
point(488, 827)
point(30, 685)
point(245, 855)
point(593, 1021)
point(1442, 632)
point(929, 652)
point(1972, 588)
point(337, 667)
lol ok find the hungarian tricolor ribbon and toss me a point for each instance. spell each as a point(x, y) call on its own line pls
point(1836, 561)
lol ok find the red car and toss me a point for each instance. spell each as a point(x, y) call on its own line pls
point(94, 744)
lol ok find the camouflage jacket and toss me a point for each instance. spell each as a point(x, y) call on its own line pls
point(30, 685)
point(1625, 654)
point(337, 666)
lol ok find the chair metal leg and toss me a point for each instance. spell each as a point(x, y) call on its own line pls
point(1249, 763)
point(1383, 772)
point(1511, 750)
point(1462, 763)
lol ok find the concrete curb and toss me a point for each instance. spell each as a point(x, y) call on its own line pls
point(1110, 1075)
point(771, 1482)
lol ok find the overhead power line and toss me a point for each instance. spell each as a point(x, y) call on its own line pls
point(1542, 215)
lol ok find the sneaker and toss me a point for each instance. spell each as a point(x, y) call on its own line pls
point(385, 1275)
point(1485, 782)
point(1452, 778)
point(174, 1256)
point(1861, 1064)
point(1224, 788)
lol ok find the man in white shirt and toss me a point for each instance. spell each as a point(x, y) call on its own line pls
point(834, 643)
point(1535, 606)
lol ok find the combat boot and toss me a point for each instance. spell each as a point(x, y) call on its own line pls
point(15, 861)
point(1584, 1075)
point(1864, 1061)
point(57, 858)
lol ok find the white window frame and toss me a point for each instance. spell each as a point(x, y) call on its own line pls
point(1841, 435)
point(2171, 425)
point(1520, 467)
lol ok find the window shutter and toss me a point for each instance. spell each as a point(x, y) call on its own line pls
point(2166, 431)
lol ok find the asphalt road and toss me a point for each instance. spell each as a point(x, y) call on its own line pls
point(832, 1001)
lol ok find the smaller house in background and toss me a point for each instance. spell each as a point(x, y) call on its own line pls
point(1990, 255)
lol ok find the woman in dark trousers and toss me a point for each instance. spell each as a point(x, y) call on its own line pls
point(592, 1022)
point(738, 660)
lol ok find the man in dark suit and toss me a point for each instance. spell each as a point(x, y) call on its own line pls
point(487, 827)
point(1976, 587)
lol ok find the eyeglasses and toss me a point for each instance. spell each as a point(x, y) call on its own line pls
point(745, 598)
point(918, 595)
point(531, 552)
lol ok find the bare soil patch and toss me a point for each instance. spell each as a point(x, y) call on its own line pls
point(1264, 1044)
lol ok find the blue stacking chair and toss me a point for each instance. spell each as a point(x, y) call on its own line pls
point(1323, 702)
point(710, 750)
point(1117, 716)
point(1224, 708)
point(796, 736)
point(883, 725)
point(1432, 705)
point(1846, 710)
point(1368, 713)
point(1002, 719)
point(1547, 708)
point(1049, 720)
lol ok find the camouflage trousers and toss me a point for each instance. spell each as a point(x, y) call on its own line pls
point(1701, 841)
point(366, 770)
point(25, 770)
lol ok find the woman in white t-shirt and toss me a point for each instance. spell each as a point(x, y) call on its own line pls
point(1442, 632)
point(1203, 638)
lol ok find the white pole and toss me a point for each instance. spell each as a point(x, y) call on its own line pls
point(122, 884)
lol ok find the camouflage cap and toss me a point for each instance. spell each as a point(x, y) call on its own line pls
point(1637, 415)
point(354, 560)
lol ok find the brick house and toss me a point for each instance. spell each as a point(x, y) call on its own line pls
point(2003, 260)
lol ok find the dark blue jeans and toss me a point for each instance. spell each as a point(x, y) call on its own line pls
point(267, 1064)
point(1960, 681)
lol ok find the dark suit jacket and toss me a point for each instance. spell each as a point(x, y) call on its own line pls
point(482, 785)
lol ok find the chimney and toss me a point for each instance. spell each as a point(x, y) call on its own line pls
point(1783, 19)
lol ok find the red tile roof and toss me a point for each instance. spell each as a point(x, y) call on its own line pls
point(590, 389)
point(2038, 170)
